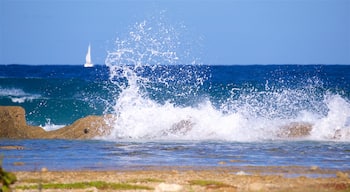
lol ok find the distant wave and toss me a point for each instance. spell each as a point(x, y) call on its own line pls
point(17, 95)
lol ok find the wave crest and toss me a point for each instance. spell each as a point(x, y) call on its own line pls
point(158, 101)
point(17, 95)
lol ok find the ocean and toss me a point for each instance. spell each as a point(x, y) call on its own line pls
point(235, 113)
point(233, 103)
point(151, 84)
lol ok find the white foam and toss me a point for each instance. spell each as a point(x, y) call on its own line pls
point(17, 95)
point(252, 116)
point(49, 126)
point(11, 92)
point(336, 124)
point(142, 118)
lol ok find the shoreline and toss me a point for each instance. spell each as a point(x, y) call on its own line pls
point(282, 170)
point(248, 178)
point(223, 176)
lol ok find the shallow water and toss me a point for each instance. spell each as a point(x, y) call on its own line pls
point(105, 155)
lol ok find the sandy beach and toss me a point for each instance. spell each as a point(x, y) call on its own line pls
point(291, 178)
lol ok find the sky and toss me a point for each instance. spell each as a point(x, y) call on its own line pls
point(224, 32)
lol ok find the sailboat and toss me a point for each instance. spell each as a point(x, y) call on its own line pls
point(88, 62)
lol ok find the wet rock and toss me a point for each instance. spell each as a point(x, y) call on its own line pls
point(180, 128)
point(84, 128)
point(341, 133)
point(12, 147)
point(314, 168)
point(18, 163)
point(222, 163)
point(295, 130)
point(236, 161)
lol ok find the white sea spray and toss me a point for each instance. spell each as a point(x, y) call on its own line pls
point(250, 113)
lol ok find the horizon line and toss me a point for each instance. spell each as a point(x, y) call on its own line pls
point(237, 64)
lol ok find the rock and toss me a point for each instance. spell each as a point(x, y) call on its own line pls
point(12, 116)
point(236, 161)
point(342, 175)
point(242, 173)
point(13, 126)
point(84, 128)
point(180, 128)
point(314, 168)
point(18, 163)
point(166, 187)
point(44, 169)
point(222, 163)
point(12, 147)
point(256, 187)
point(295, 130)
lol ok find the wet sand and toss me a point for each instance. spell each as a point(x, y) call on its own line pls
point(279, 178)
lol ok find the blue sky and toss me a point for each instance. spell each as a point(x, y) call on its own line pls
point(223, 31)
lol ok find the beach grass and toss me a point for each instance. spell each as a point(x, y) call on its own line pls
point(6, 178)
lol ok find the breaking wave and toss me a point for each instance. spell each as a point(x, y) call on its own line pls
point(17, 95)
point(160, 99)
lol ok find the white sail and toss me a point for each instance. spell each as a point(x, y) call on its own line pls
point(88, 62)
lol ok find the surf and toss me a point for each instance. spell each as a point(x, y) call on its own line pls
point(17, 95)
point(160, 99)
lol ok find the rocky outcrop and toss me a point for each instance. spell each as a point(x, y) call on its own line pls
point(84, 128)
point(13, 126)
point(295, 130)
point(180, 128)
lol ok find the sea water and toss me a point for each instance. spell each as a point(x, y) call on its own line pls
point(150, 83)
